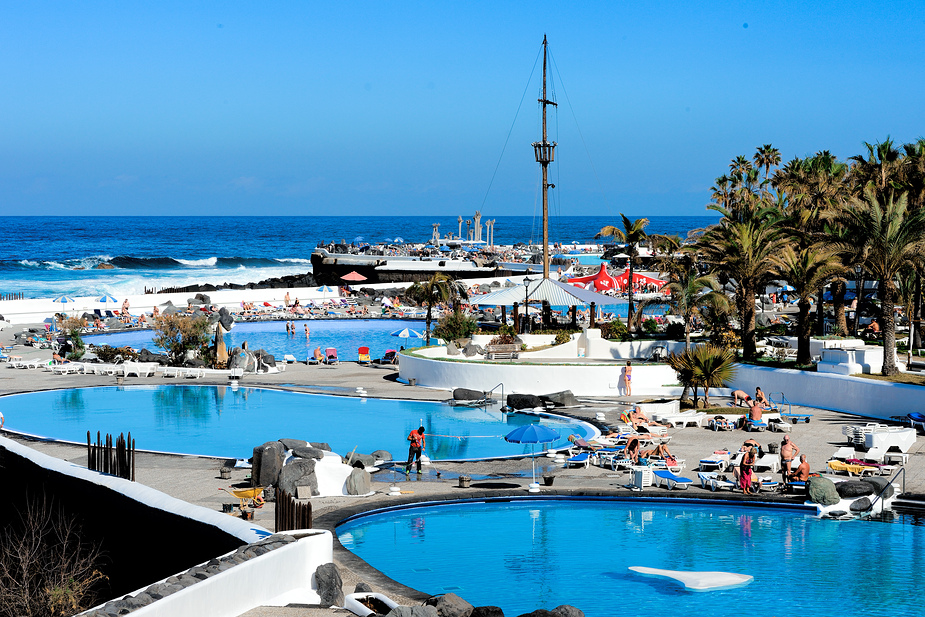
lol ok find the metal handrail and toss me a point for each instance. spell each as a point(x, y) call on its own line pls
point(488, 393)
point(783, 401)
point(902, 470)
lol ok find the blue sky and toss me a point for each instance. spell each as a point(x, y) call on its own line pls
point(404, 108)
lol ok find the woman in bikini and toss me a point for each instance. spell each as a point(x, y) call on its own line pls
point(628, 375)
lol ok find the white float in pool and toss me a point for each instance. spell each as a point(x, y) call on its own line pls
point(698, 581)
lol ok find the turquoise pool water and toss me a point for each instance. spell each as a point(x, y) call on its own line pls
point(346, 335)
point(221, 421)
point(524, 555)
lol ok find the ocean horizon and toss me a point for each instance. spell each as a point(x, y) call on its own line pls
point(45, 256)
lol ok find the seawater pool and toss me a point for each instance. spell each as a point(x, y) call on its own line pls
point(346, 335)
point(527, 554)
point(230, 422)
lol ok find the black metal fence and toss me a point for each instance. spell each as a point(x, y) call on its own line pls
point(117, 459)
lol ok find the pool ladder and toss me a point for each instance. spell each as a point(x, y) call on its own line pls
point(488, 394)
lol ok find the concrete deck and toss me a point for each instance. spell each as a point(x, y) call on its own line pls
point(197, 481)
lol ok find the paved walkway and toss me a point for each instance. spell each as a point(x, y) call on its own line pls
point(196, 480)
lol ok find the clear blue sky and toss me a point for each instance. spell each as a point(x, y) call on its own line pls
point(404, 108)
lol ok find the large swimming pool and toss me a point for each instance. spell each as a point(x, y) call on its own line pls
point(227, 422)
point(527, 554)
point(346, 335)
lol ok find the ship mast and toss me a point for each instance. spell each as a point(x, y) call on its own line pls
point(545, 153)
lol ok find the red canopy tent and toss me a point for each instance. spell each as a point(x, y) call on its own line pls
point(602, 280)
point(353, 276)
point(639, 280)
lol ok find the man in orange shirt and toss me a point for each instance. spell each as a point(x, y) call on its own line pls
point(415, 450)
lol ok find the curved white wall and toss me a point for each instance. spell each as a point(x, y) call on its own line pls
point(597, 379)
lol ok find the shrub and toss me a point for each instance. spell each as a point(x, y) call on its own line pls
point(108, 354)
point(73, 326)
point(615, 329)
point(562, 337)
point(727, 339)
point(675, 331)
point(455, 325)
point(650, 326)
point(179, 334)
point(502, 339)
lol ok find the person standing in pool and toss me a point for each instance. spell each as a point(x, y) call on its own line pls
point(308, 333)
point(415, 450)
point(628, 376)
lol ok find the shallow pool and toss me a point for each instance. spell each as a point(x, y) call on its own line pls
point(533, 554)
point(345, 335)
point(221, 421)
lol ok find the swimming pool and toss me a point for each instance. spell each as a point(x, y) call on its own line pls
point(230, 422)
point(527, 554)
point(346, 335)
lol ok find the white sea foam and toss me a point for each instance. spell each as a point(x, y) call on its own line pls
point(209, 261)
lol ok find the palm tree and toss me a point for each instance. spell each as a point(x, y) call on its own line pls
point(807, 270)
point(766, 156)
point(440, 288)
point(632, 234)
point(744, 247)
point(893, 238)
point(705, 366)
point(881, 168)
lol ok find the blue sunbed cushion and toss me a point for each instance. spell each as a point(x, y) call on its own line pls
point(667, 475)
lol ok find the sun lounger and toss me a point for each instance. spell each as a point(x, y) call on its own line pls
point(916, 420)
point(779, 426)
point(721, 423)
point(673, 465)
point(712, 480)
point(768, 461)
point(363, 356)
point(718, 460)
point(68, 368)
point(851, 470)
point(582, 459)
point(289, 358)
point(874, 455)
point(844, 453)
point(663, 476)
point(330, 356)
point(752, 425)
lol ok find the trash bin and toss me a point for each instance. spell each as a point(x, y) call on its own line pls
point(464, 481)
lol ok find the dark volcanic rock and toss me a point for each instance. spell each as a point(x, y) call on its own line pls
point(523, 401)
point(267, 464)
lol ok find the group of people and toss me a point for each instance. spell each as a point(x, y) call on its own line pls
point(745, 472)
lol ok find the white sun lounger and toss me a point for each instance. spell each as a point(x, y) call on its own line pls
point(712, 481)
point(663, 476)
point(69, 368)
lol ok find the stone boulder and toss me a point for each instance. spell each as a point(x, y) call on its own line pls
point(237, 358)
point(561, 399)
point(359, 482)
point(465, 394)
point(472, 349)
point(413, 611)
point(881, 484)
point(225, 318)
point(320, 445)
point(298, 472)
point(363, 587)
point(149, 356)
point(523, 401)
point(267, 464)
point(540, 612)
point(308, 452)
point(566, 610)
point(487, 611)
point(330, 585)
point(382, 455)
point(452, 349)
point(822, 491)
point(264, 360)
point(860, 505)
point(362, 461)
point(292, 444)
point(854, 488)
point(203, 299)
point(451, 605)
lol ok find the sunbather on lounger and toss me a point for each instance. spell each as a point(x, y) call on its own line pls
point(632, 449)
point(640, 418)
point(659, 451)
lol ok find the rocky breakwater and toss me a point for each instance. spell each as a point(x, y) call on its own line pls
point(281, 282)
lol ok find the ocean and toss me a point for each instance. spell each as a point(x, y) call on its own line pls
point(42, 257)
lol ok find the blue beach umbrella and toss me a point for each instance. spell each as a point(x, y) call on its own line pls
point(445, 249)
point(407, 333)
point(532, 434)
point(106, 299)
point(63, 299)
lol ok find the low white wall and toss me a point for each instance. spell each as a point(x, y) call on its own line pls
point(602, 349)
point(282, 576)
point(596, 379)
point(854, 395)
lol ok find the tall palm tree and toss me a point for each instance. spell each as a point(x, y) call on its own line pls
point(807, 270)
point(631, 235)
point(439, 288)
point(893, 238)
point(744, 248)
point(766, 156)
point(881, 167)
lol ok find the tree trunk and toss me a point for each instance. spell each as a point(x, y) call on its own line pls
point(804, 326)
point(888, 325)
point(839, 289)
point(706, 397)
point(820, 312)
point(859, 294)
point(629, 307)
point(430, 306)
point(915, 320)
point(748, 322)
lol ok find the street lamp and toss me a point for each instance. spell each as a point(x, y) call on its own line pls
point(858, 295)
point(528, 324)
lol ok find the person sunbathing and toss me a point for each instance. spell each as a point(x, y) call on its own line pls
point(754, 414)
point(660, 451)
point(801, 473)
point(760, 398)
point(318, 355)
point(632, 449)
point(640, 418)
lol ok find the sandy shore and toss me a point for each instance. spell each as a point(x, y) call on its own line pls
point(196, 480)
